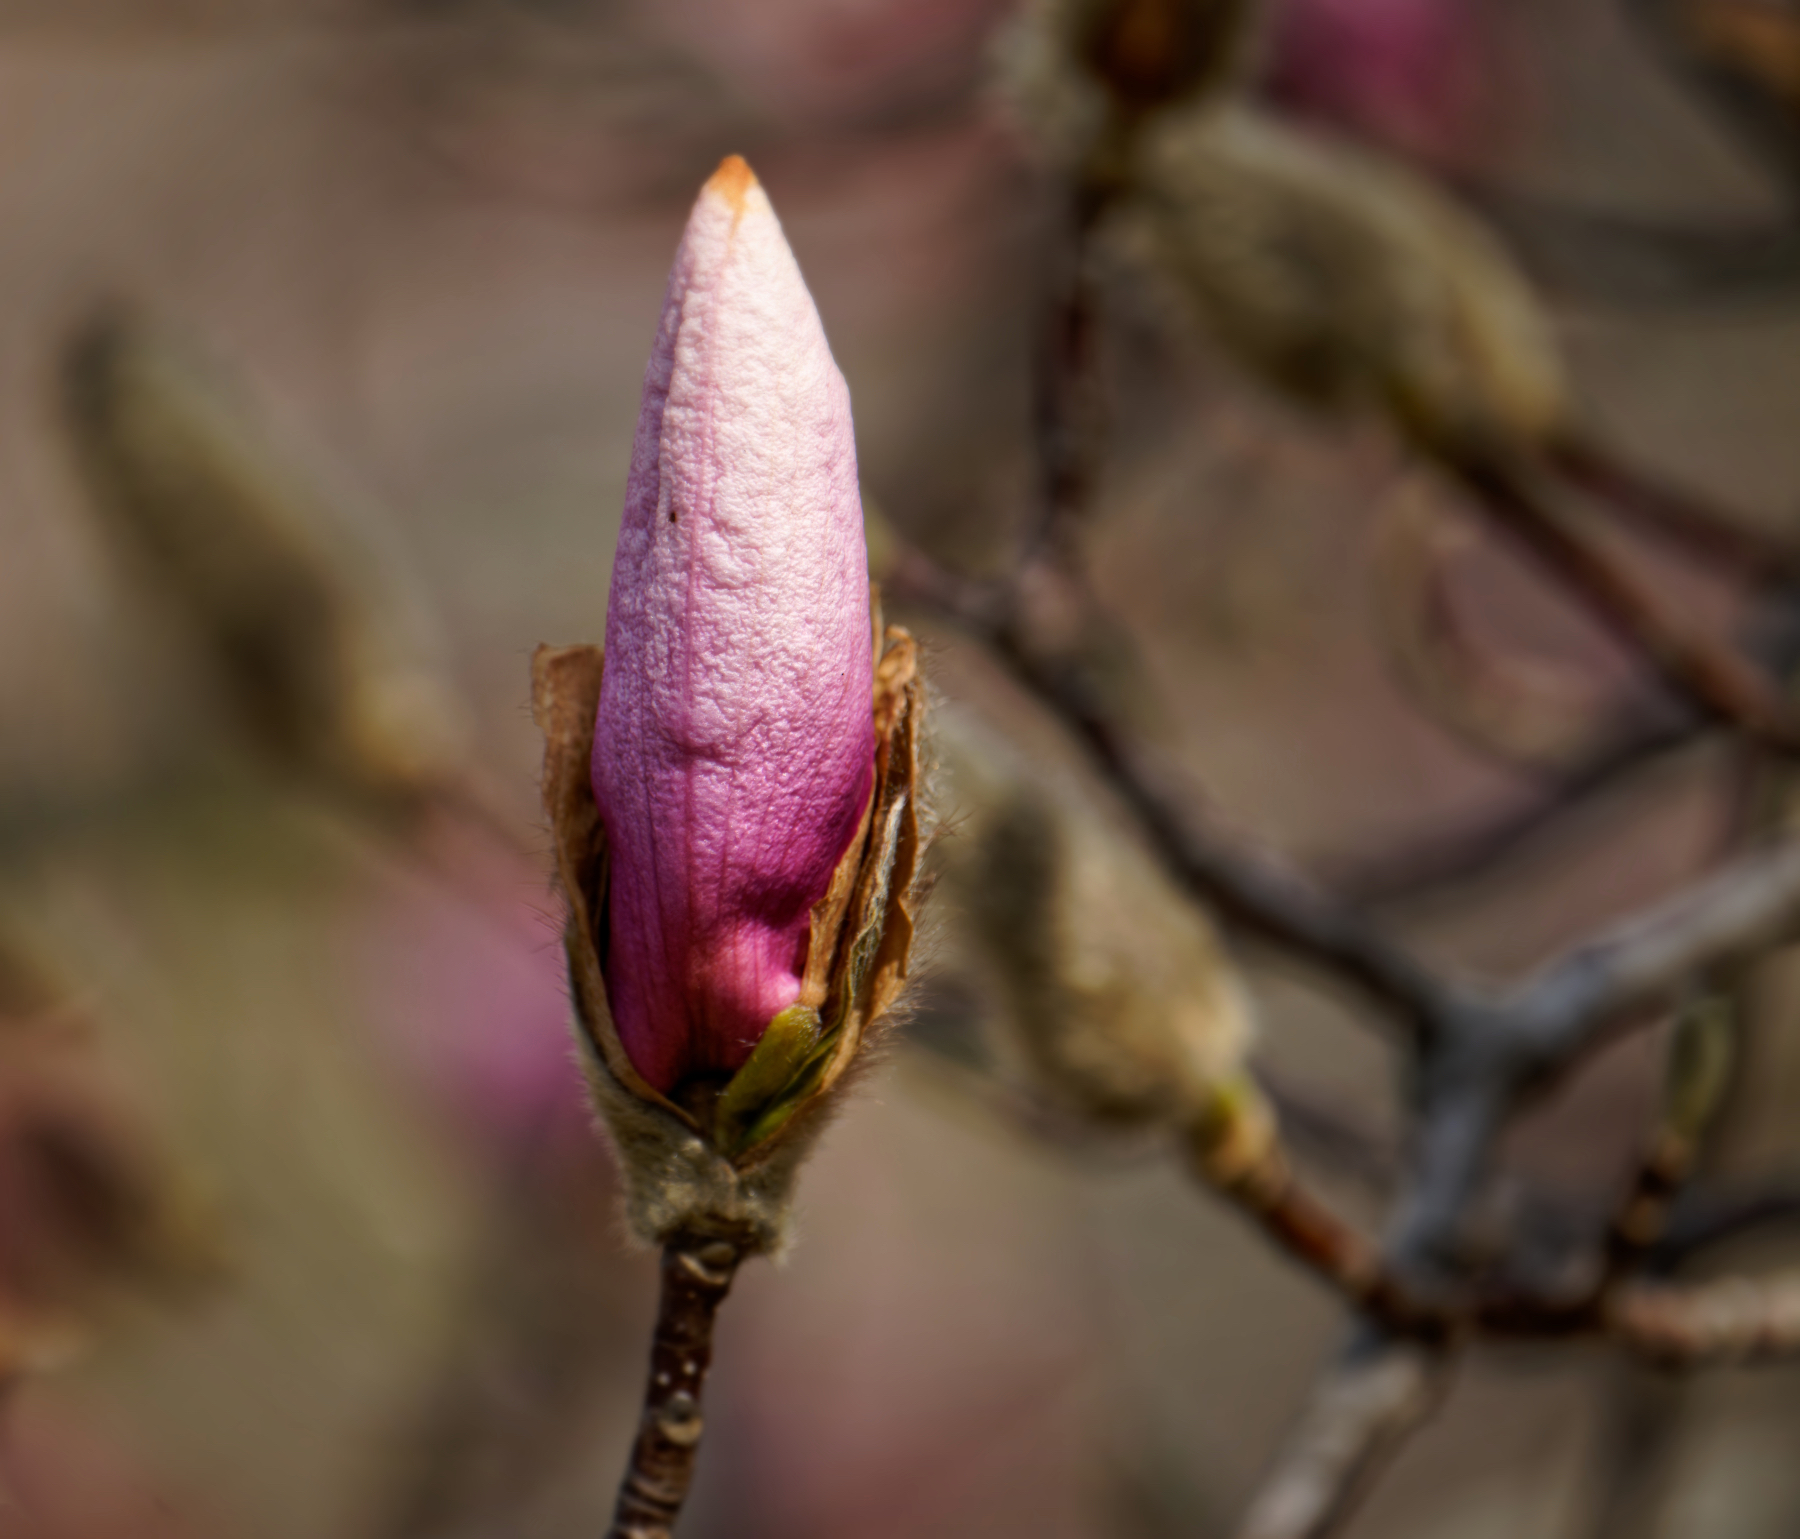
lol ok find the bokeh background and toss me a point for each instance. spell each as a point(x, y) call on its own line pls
point(426, 241)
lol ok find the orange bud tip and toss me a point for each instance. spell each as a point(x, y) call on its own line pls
point(733, 181)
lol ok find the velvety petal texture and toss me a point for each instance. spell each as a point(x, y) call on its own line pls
point(734, 745)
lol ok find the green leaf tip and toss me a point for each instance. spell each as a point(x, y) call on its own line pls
point(777, 1077)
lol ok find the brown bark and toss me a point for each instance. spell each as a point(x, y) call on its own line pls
point(697, 1271)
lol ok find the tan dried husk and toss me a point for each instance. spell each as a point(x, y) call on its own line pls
point(678, 1178)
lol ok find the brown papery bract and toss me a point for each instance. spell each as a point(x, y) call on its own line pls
point(722, 1162)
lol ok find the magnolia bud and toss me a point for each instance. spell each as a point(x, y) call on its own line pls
point(1114, 999)
point(734, 798)
point(1081, 75)
point(322, 655)
point(92, 1215)
point(1151, 53)
point(1346, 282)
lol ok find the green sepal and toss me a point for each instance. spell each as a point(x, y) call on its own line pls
point(1700, 1061)
point(776, 1078)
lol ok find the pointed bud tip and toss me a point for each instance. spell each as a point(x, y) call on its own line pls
point(733, 181)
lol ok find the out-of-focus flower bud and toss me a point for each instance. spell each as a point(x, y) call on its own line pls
point(1153, 53)
point(735, 803)
point(321, 653)
point(1081, 73)
point(1113, 996)
point(1346, 282)
point(90, 1214)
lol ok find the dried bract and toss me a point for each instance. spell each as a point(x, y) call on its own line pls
point(726, 1163)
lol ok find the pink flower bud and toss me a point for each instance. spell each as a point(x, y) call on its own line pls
point(734, 746)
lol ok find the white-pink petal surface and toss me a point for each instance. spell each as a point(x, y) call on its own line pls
point(733, 752)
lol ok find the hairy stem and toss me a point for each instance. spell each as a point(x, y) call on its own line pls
point(696, 1275)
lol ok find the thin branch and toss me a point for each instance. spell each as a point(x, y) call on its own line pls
point(1321, 1130)
point(1247, 886)
point(1444, 860)
point(1624, 259)
point(1236, 1148)
point(1704, 1220)
point(1711, 676)
point(1068, 409)
point(1733, 1320)
point(1359, 1415)
point(697, 1271)
point(1680, 518)
point(1551, 1019)
point(1509, 707)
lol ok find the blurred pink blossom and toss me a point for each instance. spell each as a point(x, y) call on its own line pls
point(473, 1006)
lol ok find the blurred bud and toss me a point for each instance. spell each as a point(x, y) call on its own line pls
point(90, 1215)
point(1082, 76)
point(737, 829)
point(1154, 53)
point(1116, 999)
point(321, 657)
point(1348, 283)
point(1752, 42)
point(1700, 1066)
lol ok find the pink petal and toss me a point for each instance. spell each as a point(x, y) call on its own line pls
point(733, 755)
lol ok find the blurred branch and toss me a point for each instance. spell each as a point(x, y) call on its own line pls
point(1514, 709)
point(1458, 855)
point(1319, 1127)
point(1496, 420)
point(1446, 859)
point(1553, 1017)
point(1703, 1220)
point(1678, 517)
point(1245, 885)
point(1710, 675)
point(1237, 1150)
point(1630, 260)
point(1699, 1064)
point(1741, 58)
point(1738, 57)
point(1360, 1412)
point(1732, 1320)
